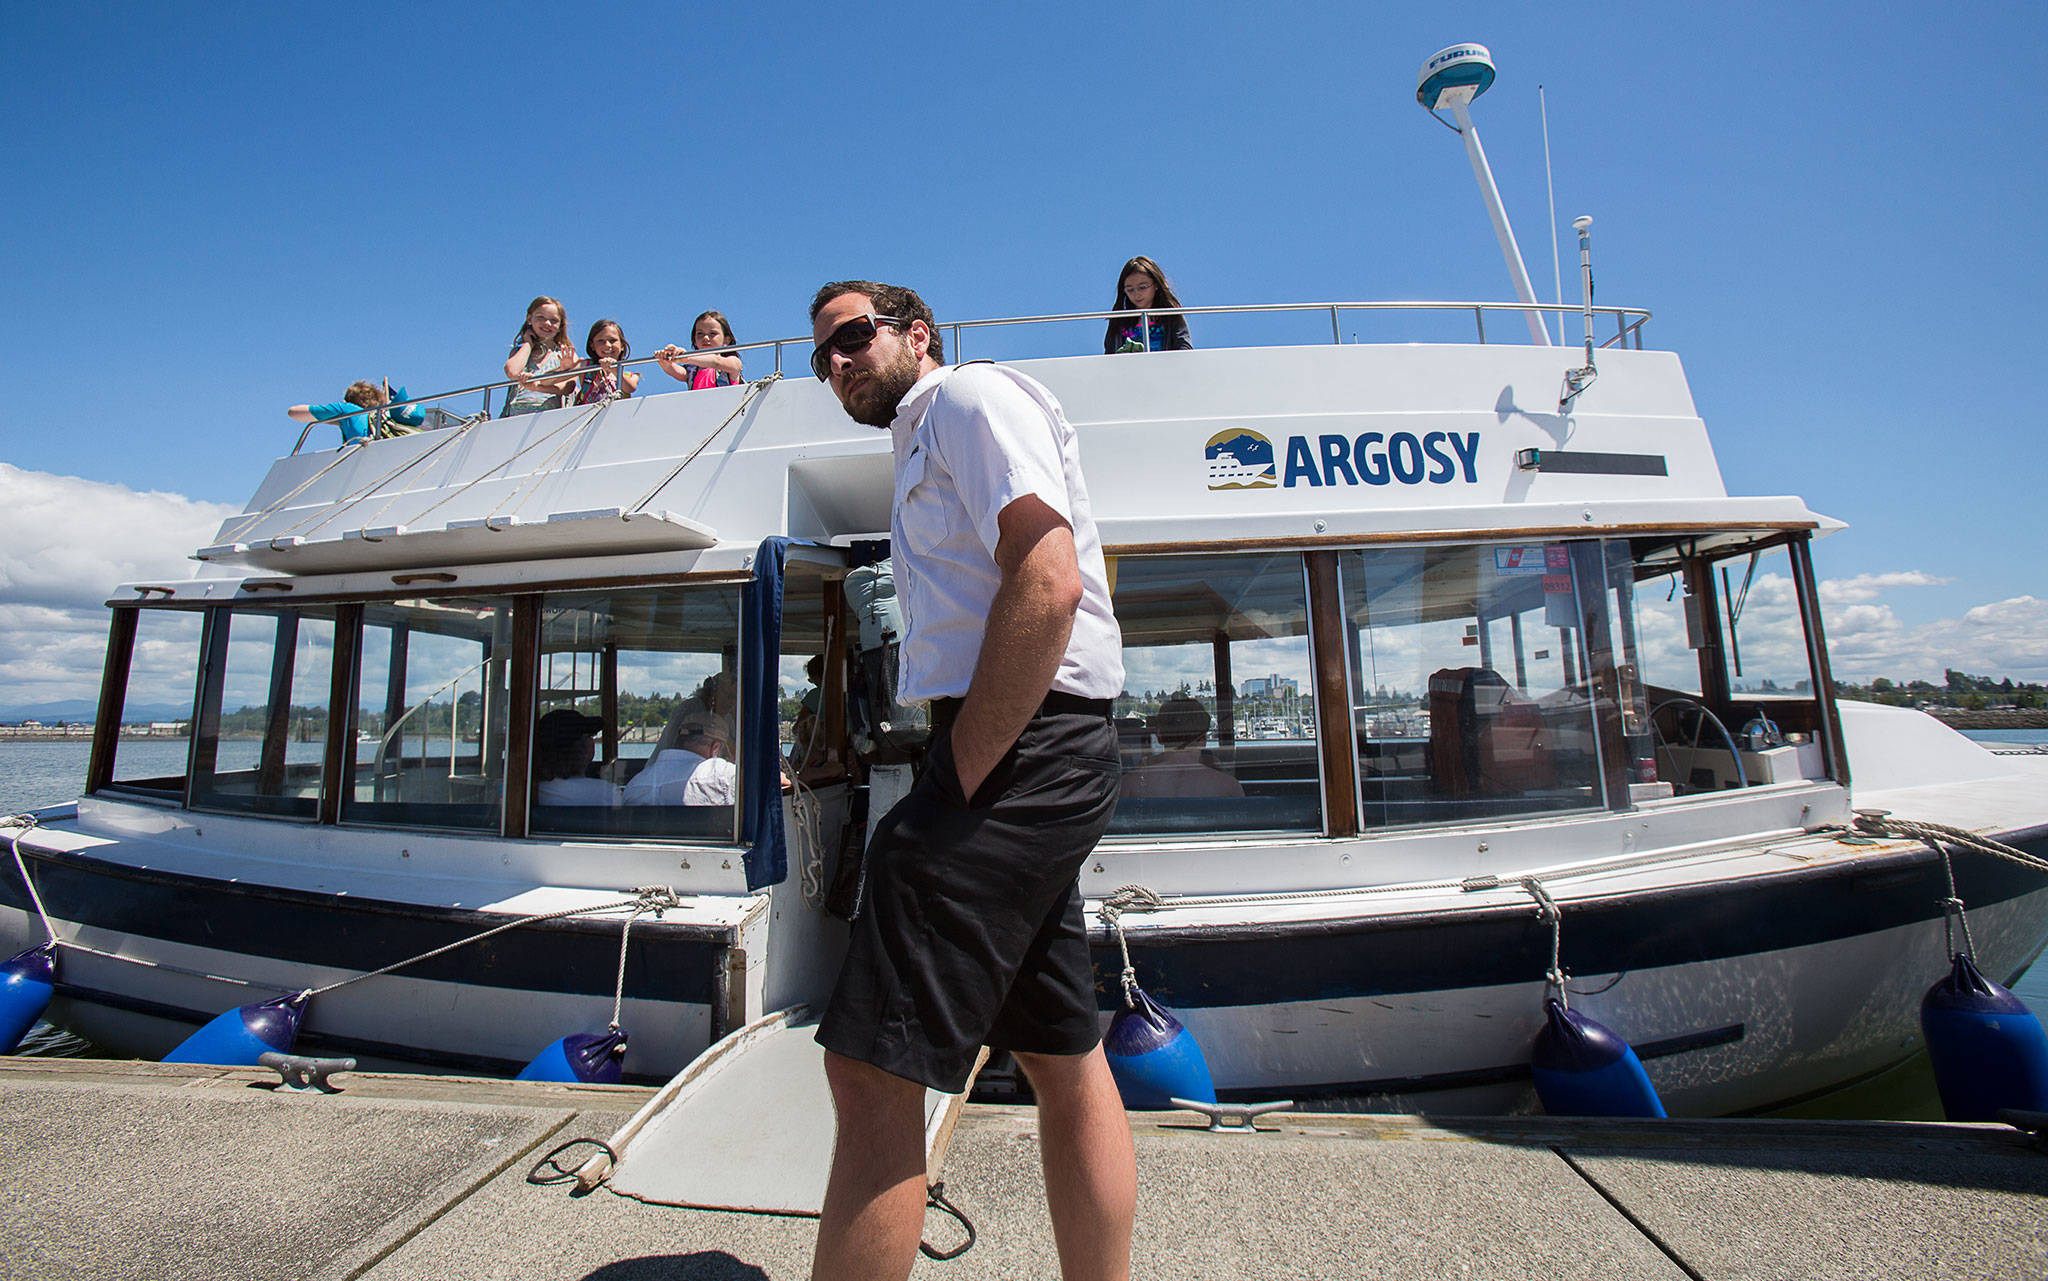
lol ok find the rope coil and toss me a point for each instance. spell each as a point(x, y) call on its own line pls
point(1881, 823)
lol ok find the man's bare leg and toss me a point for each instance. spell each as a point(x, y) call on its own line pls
point(1091, 1176)
point(874, 1202)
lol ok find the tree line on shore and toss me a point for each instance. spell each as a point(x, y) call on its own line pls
point(1958, 690)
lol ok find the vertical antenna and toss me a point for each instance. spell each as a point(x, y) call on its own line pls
point(1556, 267)
point(1577, 380)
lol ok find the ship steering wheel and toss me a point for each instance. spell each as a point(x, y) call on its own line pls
point(1703, 716)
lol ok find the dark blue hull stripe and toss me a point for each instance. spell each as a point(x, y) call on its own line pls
point(666, 962)
point(1471, 1078)
point(1360, 958)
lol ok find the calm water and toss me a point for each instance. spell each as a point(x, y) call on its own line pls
point(37, 774)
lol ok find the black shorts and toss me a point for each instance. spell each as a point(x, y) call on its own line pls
point(970, 931)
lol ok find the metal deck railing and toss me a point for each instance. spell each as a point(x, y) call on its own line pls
point(1628, 325)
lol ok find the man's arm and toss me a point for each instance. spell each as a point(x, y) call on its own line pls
point(1029, 623)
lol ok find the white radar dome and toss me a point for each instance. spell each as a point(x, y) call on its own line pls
point(1454, 75)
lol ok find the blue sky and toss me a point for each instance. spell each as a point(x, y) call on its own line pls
point(1833, 211)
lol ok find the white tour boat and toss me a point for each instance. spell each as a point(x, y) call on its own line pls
point(1502, 686)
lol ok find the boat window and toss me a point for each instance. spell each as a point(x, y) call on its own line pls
point(805, 737)
point(431, 701)
point(636, 727)
point(1725, 688)
point(155, 742)
point(1470, 682)
point(1217, 719)
point(262, 732)
point(1664, 657)
point(1765, 636)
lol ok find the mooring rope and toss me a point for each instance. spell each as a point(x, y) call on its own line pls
point(619, 991)
point(648, 898)
point(21, 823)
point(1111, 913)
point(1881, 823)
point(1952, 908)
point(810, 850)
point(1547, 910)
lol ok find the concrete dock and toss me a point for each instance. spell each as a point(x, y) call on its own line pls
point(138, 1170)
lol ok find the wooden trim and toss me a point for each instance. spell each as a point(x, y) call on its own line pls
point(1333, 695)
point(1406, 538)
point(277, 719)
point(1226, 690)
point(1834, 744)
point(338, 766)
point(1603, 681)
point(830, 721)
point(203, 753)
point(524, 680)
point(733, 579)
point(106, 727)
point(1699, 583)
point(607, 698)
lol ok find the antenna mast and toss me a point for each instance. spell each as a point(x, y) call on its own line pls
point(1452, 78)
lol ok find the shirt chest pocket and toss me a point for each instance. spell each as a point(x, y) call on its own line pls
point(920, 509)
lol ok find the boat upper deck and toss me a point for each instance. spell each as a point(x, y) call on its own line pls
point(1296, 445)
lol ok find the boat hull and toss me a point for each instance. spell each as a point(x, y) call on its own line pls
point(164, 952)
point(1739, 995)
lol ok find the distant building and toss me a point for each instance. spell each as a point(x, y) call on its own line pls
point(1273, 686)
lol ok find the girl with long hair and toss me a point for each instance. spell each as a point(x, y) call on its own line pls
point(1142, 286)
point(541, 347)
point(703, 366)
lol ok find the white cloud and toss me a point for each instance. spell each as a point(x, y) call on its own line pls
point(2003, 638)
point(1866, 587)
point(65, 544)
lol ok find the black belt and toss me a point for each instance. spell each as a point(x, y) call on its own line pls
point(1057, 703)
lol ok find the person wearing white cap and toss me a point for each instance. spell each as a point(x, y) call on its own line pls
point(696, 771)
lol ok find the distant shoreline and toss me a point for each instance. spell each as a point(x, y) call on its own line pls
point(58, 736)
point(2008, 718)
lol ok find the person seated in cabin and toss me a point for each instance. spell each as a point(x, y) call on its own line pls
point(348, 413)
point(1184, 768)
point(804, 748)
point(605, 350)
point(1142, 286)
point(702, 366)
point(717, 696)
point(698, 770)
point(539, 349)
point(564, 746)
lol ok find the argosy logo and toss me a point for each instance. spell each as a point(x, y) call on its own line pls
point(1241, 459)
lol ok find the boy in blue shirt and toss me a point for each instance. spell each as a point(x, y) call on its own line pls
point(355, 425)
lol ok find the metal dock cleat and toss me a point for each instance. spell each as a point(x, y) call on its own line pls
point(1233, 1118)
point(307, 1075)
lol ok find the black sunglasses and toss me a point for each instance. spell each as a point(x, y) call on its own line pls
point(850, 337)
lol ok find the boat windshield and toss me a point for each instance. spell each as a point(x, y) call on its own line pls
point(637, 717)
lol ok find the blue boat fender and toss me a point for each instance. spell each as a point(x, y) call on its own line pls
point(1153, 1057)
point(580, 1058)
point(1583, 1069)
point(26, 981)
point(1988, 1049)
point(243, 1035)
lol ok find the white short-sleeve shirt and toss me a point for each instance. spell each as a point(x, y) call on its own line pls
point(678, 776)
point(969, 441)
